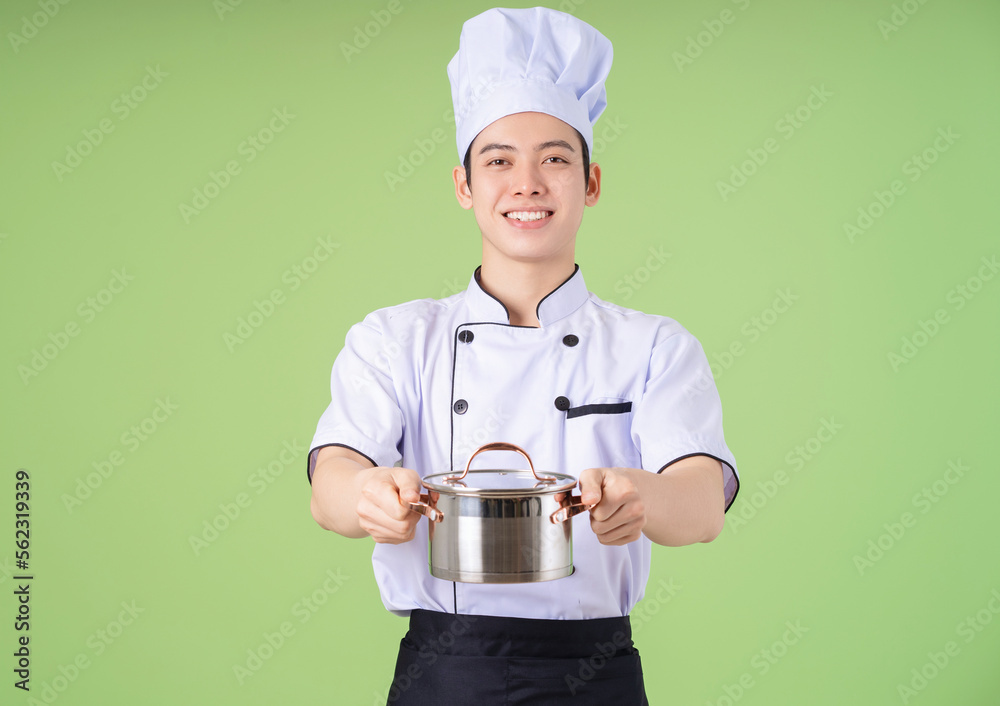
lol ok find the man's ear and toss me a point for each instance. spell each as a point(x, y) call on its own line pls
point(593, 185)
point(462, 191)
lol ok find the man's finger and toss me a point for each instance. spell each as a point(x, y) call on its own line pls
point(614, 494)
point(408, 483)
point(385, 496)
point(619, 492)
point(608, 516)
point(385, 529)
point(622, 534)
point(592, 486)
point(394, 532)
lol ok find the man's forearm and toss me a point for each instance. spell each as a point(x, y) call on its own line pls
point(684, 503)
point(336, 487)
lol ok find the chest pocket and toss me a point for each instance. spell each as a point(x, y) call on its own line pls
point(599, 408)
point(599, 435)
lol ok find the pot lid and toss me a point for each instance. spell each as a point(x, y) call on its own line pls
point(499, 482)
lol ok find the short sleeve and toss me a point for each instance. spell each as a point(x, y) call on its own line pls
point(680, 414)
point(363, 414)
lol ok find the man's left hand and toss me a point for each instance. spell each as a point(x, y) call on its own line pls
point(618, 514)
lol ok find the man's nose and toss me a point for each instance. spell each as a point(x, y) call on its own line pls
point(527, 180)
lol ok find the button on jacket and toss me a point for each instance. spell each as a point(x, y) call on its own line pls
point(426, 383)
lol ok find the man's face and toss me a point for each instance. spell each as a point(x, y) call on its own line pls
point(527, 199)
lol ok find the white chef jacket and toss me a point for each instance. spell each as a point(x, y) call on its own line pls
point(425, 383)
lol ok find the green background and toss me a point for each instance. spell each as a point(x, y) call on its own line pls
point(789, 554)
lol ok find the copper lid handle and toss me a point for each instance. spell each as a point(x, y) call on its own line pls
point(502, 446)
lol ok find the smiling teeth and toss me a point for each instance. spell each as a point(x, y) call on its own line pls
point(529, 215)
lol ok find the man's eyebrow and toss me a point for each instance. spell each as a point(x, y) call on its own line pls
point(497, 146)
point(555, 143)
point(543, 146)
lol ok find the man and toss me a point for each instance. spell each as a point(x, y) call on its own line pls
point(526, 354)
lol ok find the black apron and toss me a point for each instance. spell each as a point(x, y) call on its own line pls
point(447, 658)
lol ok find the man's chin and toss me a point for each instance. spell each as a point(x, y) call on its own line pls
point(535, 256)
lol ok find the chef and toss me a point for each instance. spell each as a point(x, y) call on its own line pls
point(621, 399)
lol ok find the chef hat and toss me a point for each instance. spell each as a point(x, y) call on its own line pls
point(535, 59)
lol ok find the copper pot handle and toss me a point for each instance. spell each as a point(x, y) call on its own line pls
point(423, 507)
point(573, 507)
point(502, 446)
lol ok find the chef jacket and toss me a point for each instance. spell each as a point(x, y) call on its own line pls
point(426, 383)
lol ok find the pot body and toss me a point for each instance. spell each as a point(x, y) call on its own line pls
point(500, 538)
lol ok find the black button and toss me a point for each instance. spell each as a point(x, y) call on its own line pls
point(570, 340)
point(461, 406)
point(466, 336)
point(562, 403)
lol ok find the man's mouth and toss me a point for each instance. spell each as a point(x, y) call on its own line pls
point(527, 215)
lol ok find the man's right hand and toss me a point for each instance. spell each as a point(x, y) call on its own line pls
point(383, 505)
point(354, 498)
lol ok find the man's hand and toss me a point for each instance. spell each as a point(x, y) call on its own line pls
point(682, 504)
point(383, 510)
point(618, 515)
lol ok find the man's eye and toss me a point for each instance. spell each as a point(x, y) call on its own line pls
point(557, 159)
point(498, 160)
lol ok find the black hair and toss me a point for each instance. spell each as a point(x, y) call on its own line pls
point(586, 163)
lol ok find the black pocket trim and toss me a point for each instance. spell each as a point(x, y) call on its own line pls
point(615, 408)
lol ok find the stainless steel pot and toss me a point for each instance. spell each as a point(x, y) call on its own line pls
point(500, 525)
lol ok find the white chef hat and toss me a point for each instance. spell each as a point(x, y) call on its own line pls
point(535, 59)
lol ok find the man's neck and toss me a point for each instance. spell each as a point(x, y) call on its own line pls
point(522, 285)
